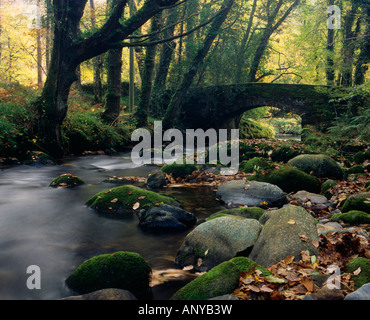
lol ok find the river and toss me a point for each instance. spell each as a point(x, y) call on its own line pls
point(53, 229)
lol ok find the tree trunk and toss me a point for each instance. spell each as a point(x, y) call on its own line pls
point(39, 46)
point(240, 57)
point(364, 56)
point(52, 104)
point(175, 104)
point(142, 111)
point(165, 59)
point(69, 51)
point(114, 86)
point(268, 31)
point(97, 62)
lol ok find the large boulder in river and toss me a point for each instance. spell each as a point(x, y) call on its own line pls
point(127, 199)
point(289, 179)
point(166, 218)
point(217, 240)
point(287, 232)
point(121, 270)
point(104, 294)
point(66, 180)
point(320, 165)
point(250, 193)
point(156, 180)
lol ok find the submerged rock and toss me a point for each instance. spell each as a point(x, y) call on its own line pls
point(66, 180)
point(250, 193)
point(166, 218)
point(217, 240)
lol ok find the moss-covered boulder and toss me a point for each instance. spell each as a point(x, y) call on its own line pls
point(127, 199)
point(220, 280)
point(361, 156)
point(328, 184)
point(255, 164)
point(289, 179)
point(216, 241)
point(39, 158)
point(156, 180)
point(179, 170)
point(245, 212)
point(121, 270)
point(320, 165)
point(284, 154)
point(364, 276)
point(356, 169)
point(66, 180)
point(352, 217)
point(359, 201)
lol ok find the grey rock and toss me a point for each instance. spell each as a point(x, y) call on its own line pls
point(280, 236)
point(156, 180)
point(225, 297)
point(216, 241)
point(166, 218)
point(362, 293)
point(104, 294)
point(250, 193)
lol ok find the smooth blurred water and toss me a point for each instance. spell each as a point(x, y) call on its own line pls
point(53, 229)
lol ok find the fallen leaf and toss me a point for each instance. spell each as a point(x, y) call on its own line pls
point(291, 221)
point(141, 197)
point(187, 268)
point(136, 205)
point(253, 288)
point(315, 243)
point(357, 271)
point(114, 200)
point(308, 284)
point(199, 262)
point(289, 259)
point(265, 288)
point(303, 237)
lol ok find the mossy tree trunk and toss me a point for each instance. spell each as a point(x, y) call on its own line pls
point(69, 52)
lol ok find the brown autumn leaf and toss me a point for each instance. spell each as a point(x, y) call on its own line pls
point(141, 197)
point(315, 243)
point(136, 205)
point(253, 288)
point(308, 284)
point(288, 260)
point(114, 200)
point(291, 221)
point(303, 237)
point(266, 288)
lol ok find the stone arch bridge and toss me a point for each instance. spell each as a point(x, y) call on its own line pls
point(221, 107)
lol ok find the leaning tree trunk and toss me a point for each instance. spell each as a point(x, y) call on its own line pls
point(52, 104)
point(174, 107)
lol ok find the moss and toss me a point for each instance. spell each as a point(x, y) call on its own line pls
point(360, 157)
point(66, 180)
point(252, 129)
point(220, 280)
point(122, 270)
point(320, 165)
point(326, 186)
point(357, 201)
point(352, 217)
point(179, 170)
point(364, 276)
point(356, 169)
point(255, 164)
point(122, 199)
point(38, 157)
point(289, 179)
point(245, 212)
point(284, 154)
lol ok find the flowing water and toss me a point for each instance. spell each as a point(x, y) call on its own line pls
point(53, 229)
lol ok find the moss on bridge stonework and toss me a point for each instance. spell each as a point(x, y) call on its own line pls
point(215, 106)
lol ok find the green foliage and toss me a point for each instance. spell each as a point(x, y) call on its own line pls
point(252, 129)
point(255, 164)
point(357, 201)
point(284, 153)
point(326, 186)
